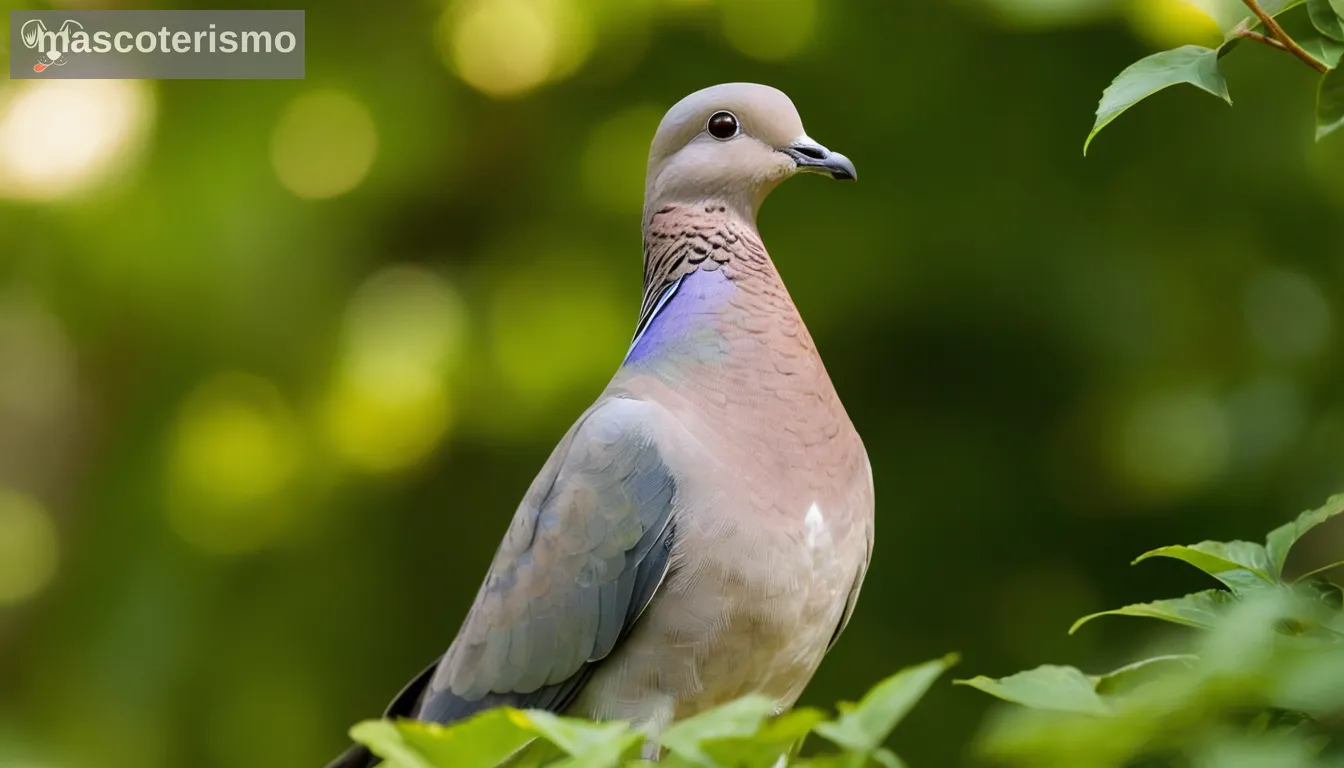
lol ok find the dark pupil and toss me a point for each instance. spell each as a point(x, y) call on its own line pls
point(722, 126)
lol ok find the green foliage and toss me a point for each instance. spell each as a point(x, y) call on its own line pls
point(1321, 48)
point(1191, 64)
point(1200, 610)
point(1325, 20)
point(741, 734)
point(1264, 685)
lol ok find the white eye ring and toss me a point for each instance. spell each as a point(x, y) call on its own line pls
point(721, 119)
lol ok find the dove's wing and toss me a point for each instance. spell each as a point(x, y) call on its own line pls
point(587, 549)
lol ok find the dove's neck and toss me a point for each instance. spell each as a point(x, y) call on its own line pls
point(706, 273)
point(718, 330)
point(682, 238)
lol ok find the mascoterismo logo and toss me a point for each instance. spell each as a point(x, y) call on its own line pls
point(37, 36)
point(173, 44)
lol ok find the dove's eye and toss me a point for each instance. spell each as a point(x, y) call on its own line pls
point(722, 125)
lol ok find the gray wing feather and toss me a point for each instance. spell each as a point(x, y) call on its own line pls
point(583, 557)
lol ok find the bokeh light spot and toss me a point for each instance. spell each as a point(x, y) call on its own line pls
point(508, 47)
point(1170, 443)
point(1172, 23)
point(616, 156)
point(389, 405)
point(28, 547)
point(235, 453)
point(770, 30)
point(1289, 317)
point(324, 144)
point(64, 136)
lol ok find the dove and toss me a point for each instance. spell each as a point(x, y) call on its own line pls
point(703, 530)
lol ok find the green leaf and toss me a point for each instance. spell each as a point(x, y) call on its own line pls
point(882, 757)
point(739, 742)
point(1281, 540)
point(1201, 610)
point(781, 735)
point(1191, 64)
point(739, 734)
point(384, 740)
point(483, 741)
point(591, 745)
point(1241, 565)
point(1338, 5)
point(1061, 689)
point(863, 727)
point(741, 718)
point(1324, 18)
point(1131, 676)
point(1324, 49)
point(538, 754)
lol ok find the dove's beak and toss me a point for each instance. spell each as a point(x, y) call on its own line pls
point(811, 157)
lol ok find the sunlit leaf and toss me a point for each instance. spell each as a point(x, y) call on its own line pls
point(1062, 689)
point(1191, 64)
point(848, 760)
point(742, 717)
point(1338, 5)
point(1200, 610)
point(1280, 541)
point(1241, 565)
point(384, 739)
point(863, 727)
point(539, 754)
point(483, 741)
point(742, 745)
point(728, 735)
point(1324, 18)
point(591, 745)
point(780, 735)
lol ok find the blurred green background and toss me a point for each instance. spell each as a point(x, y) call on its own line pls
point(278, 359)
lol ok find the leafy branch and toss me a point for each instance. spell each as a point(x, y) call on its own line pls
point(1322, 49)
point(1263, 685)
point(1280, 39)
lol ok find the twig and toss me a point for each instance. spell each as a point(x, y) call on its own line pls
point(1247, 34)
point(1279, 36)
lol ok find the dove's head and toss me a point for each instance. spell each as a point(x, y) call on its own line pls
point(733, 143)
